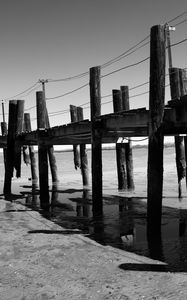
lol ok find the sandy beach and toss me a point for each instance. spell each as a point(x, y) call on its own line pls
point(65, 254)
point(41, 260)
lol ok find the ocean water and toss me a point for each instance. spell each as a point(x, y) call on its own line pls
point(123, 224)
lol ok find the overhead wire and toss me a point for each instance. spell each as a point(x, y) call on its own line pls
point(21, 93)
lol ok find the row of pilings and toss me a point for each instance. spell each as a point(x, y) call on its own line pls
point(123, 151)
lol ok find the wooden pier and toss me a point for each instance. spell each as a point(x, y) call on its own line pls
point(161, 119)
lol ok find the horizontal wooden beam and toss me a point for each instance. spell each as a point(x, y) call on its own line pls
point(132, 123)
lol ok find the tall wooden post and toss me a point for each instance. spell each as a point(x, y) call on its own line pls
point(156, 140)
point(50, 149)
point(95, 98)
point(42, 151)
point(76, 151)
point(128, 146)
point(19, 129)
point(176, 93)
point(83, 155)
point(183, 86)
point(34, 176)
point(120, 147)
point(10, 146)
point(4, 132)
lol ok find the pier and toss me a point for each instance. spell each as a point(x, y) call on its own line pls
point(161, 119)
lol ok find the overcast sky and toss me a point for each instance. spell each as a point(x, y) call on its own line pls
point(55, 39)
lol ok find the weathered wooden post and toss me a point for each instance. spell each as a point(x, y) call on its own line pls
point(76, 151)
point(34, 176)
point(83, 155)
point(4, 132)
point(50, 149)
point(128, 146)
point(19, 129)
point(42, 150)
point(156, 139)
point(10, 146)
point(120, 147)
point(176, 93)
point(95, 98)
point(183, 87)
point(15, 125)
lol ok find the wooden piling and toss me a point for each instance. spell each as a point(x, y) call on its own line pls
point(42, 150)
point(4, 132)
point(50, 149)
point(176, 92)
point(183, 88)
point(34, 176)
point(10, 146)
point(128, 145)
point(156, 140)
point(76, 150)
point(19, 129)
point(83, 155)
point(95, 98)
point(120, 147)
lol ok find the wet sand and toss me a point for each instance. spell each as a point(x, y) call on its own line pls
point(65, 254)
point(41, 260)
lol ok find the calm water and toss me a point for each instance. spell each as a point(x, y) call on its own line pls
point(124, 222)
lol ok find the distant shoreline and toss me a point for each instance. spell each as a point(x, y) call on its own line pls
point(138, 146)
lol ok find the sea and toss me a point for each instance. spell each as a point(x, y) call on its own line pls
point(124, 221)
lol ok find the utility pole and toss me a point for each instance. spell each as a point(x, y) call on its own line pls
point(43, 81)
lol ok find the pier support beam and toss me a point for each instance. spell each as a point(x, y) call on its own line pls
point(34, 177)
point(83, 155)
point(120, 147)
point(4, 132)
point(95, 98)
point(156, 140)
point(15, 125)
point(42, 151)
point(128, 146)
point(175, 76)
point(76, 151)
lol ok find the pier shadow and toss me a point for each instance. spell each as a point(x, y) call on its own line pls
point(144, 267)
point(123, 226)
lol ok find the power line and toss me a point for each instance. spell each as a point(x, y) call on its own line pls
point(21, 92)
point(125, 54)
point(125, 67)
point(68, 93)
point(177, 17)
point(180, 42)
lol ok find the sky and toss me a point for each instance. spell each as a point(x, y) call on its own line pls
point(57, 39)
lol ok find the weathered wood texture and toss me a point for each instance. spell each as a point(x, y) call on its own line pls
point(34, 176)
point(83, 154)
point(76, 149)
point(10, 146)
point(155, 148)
point(176, 92)
point(4, 132)
point(128, 146)
point(19, 129)
point(120, 147)
point(95, 98)
point(42, 151)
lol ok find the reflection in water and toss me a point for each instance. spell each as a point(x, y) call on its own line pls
point(123, 225)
